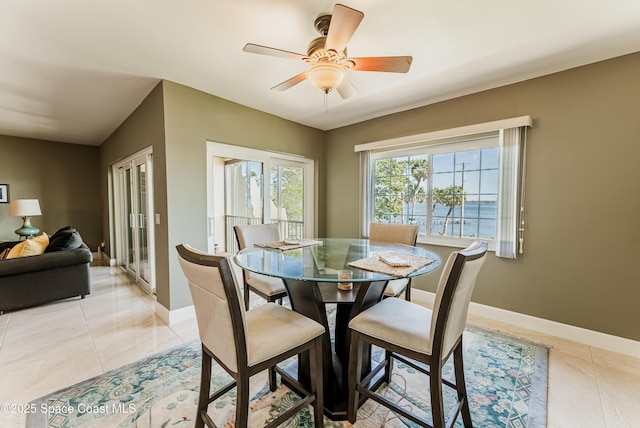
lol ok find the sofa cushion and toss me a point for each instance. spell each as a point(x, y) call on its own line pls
point(29, 247)
point(61, 232)
point(64, 239)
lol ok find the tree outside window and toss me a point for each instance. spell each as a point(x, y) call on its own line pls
point(449, 193)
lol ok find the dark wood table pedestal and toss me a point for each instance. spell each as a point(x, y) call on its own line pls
point(310, 299)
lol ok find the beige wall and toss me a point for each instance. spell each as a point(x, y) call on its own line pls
point(583, 192)
point(63, 177)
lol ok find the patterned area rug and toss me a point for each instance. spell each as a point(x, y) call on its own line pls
point(506, 382)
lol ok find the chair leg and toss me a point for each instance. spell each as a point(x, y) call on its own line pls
point(435, 384)
point(317, 384)
point(242, 400)
point(205, 385)
point(407, 292)
point(388, 371)
point(246, 296)
point(355, 365)
point(461, 387)
point(273, 384)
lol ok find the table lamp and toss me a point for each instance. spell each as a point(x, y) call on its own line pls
point(25, 208)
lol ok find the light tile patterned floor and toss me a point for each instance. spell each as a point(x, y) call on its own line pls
point(49, 347)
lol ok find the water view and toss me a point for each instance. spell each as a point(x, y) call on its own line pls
point(472, 220)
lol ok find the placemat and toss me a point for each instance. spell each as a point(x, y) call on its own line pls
point(374, 264)
point(280, 245)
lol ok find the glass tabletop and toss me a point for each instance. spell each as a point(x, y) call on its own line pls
point(321, 262)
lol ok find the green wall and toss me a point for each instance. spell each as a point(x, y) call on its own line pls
point(582, 184)
point(63, 177)
point(583, 192)
point(192, 118)
point(177, 122)
point(143, 128)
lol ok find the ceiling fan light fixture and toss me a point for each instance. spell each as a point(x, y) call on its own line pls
point(326, 76)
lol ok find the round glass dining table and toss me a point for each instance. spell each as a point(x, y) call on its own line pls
point(310, 275)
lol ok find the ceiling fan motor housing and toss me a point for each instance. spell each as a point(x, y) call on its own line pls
point(322, 24)
point(316, 45)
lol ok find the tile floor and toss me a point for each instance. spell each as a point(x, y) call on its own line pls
point(49, 347)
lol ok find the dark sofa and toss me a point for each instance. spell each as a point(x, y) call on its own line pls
point(57, 274)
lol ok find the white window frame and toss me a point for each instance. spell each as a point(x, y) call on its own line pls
point(433, 148)
point(512, 175)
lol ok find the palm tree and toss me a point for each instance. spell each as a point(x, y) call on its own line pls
point(415, 193)
point(451, 197)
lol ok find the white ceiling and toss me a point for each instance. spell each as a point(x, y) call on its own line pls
point(73, 70)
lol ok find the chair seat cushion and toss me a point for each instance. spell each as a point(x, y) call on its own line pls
point(395, 286)
point(274, 329)
point(411, 330)
point(267, 285)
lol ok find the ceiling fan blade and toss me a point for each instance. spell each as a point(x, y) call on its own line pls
point(390, 64)
point(346, 89)
point(344, 22)
point(265, 50)
point(291, 82)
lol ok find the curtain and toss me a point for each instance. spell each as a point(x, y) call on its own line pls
point(366, 201)
point(510, 222)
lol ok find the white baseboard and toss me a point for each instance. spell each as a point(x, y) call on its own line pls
point(175, 316)
point(612, 343)
point(597, 339)
point(104, 257)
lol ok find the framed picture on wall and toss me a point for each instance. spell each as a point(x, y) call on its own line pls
point(4, 193)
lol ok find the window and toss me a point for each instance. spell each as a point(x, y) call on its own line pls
point(456, 184)
point(449, 190)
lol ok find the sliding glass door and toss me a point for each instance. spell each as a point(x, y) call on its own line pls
point(248, 186)
point(287, 198)
point(134, 228)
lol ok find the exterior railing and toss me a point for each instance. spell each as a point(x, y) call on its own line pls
point(289, 229)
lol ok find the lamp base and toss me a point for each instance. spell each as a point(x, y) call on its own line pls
point(27, 230)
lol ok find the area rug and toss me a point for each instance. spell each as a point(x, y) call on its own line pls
point(506, 381)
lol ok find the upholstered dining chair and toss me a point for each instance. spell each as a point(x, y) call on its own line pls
point(409, 332)
point(246, 343)
point(269, 288)
point(399, 234)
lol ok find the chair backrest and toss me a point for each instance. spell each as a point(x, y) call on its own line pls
point(252, 234)
point(453, 296)
point(395, 233)
point(217, 301)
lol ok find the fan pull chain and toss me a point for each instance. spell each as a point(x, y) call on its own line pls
point(326, 103)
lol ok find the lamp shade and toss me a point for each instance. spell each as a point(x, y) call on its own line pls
point(24, 207)
point(326, 76)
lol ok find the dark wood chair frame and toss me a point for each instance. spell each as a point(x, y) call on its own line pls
point(435, 361)
point(276, 298)
point(407, 289)
point(311, 349)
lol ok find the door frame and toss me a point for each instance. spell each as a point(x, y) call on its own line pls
point(220, 150)
point(144, 156)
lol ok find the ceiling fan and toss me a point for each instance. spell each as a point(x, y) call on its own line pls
point(327, 55)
